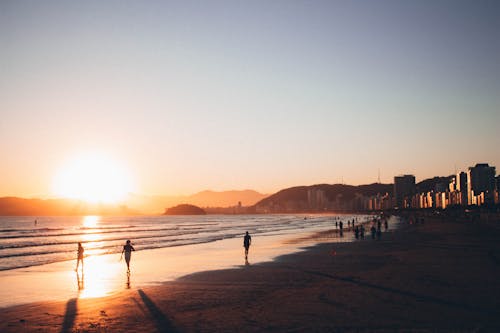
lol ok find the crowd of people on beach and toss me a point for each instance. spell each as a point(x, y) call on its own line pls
point(359, 227)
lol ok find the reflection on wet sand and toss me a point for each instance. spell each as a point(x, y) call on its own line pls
point(101, 277)
point(80, 279)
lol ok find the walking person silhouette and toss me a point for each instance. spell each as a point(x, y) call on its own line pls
point(79, 256)
point(247, 240)
point(128, 248)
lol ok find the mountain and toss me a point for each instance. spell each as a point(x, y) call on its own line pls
point(134, 204)
point(157, 204)
point(226, 198)
point(12, 206)
point(433, 184)
point(321, 197)
point(185, 209)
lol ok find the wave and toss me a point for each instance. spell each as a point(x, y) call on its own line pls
point(39, 246)
point(96, 232)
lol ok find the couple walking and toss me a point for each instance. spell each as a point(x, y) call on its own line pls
point(127, 249)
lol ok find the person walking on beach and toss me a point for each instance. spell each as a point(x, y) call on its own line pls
point(362, 232)
point(247, 240)
point(341, 226)
point(128, 248)
point(79, 256)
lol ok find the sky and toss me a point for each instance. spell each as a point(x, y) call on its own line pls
point(194, 95)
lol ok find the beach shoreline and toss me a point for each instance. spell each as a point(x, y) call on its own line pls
point(437, 276)
point(105, 275)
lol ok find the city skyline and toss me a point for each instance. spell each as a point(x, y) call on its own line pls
point(178, 97)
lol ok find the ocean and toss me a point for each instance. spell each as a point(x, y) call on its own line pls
point(34, 241)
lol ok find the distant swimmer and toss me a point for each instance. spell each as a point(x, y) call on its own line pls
point(247, 240)
point(36, 222)
point(128, 248)
point(79, 256)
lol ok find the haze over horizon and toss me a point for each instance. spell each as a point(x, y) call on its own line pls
point(102, 98)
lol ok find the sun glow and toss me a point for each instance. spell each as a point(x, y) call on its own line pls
point(90, 221)
point(93, 178)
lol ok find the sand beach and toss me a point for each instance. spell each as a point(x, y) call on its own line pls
point(440, 276)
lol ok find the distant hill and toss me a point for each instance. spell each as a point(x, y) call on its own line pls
point(156, 204)
point(135, 204)
point(185, 209)
point(225, 198)
point(320, 197)
point(431, 184)
point(12, 206)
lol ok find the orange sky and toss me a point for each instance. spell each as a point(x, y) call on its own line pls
point(183, 97)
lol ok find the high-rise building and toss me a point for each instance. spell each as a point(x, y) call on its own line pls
point(461, 184)
point(481, 179)
point(404, 188)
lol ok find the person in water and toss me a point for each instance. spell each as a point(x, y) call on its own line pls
point(128, 248)
point(79, 256)
point(247, 240)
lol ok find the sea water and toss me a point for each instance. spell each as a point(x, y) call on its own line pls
point(38, 254)
point(32, 241)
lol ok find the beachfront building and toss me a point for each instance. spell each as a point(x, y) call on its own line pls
point(404, 189)
point(378, 202)
point(461, 188)
point(497, 192)
point(316, 199)
point(481, 184)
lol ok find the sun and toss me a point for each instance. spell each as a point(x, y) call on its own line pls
point(93, 178)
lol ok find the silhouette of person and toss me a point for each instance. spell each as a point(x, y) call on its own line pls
point(247, 240)
point(362, 232)
point(128, 248)
point(341, 226)
point(79, 256)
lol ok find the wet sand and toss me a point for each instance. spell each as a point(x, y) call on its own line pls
point(442, 276)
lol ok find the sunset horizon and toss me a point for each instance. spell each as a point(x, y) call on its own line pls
point(181, 97)
point(249, 166)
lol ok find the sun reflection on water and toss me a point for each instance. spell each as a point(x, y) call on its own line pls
point(90, 221)
point(102, 274)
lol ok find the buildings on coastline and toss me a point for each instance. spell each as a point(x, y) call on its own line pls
point(477, 186)
point(404, 187)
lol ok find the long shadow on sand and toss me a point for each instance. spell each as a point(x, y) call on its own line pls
point(161, 321)
point(418, 297)
point(69, 317)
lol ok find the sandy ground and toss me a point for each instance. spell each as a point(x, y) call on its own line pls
point(441, 276)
